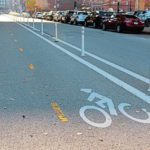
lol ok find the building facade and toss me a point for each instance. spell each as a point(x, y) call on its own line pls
point(124, 5)
point(5, 4)
point(55, 4)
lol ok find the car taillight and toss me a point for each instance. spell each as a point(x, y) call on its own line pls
point(141, 22)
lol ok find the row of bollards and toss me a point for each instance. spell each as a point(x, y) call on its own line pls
point(26, 21)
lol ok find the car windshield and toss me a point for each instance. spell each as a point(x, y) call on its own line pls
point(82, 13)
point(106, 13)
point(130, 16)
point(71, 12)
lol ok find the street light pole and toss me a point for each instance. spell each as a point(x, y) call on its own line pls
point(130, 6)
point(118, 6)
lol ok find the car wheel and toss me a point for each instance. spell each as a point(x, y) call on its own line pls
point(94, 25)
point(104, 27)
point(147, 23)
point(75, 22)
point(119, 28)
point(139, 31)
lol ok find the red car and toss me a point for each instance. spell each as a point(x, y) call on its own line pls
point(123, 22)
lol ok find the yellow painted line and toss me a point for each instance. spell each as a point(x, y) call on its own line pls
point(31, 66)
point(21, 49)
point(59, 113)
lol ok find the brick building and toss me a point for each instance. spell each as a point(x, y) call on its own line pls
point(126, 5)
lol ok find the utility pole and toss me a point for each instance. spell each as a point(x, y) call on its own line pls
point(118, 6)
point(130, 3)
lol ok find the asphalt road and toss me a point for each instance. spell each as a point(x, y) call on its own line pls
point(52, 98)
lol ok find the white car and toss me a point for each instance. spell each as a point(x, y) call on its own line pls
point(78, 17)
point(145, 17)
point(39, 15)
point(25, 14)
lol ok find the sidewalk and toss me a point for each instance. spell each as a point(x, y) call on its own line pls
point(146, 30)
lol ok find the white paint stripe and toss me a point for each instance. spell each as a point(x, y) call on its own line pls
point(46, 34)
point(129, 72)
point(117, 81)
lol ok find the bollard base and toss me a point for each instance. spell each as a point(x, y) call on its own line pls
point(82, 52)
point(56, 40)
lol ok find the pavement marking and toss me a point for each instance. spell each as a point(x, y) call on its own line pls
point(129, 72)
point(103, 73)
point(31, 66)
point(120, 68)
point(21, 49)
point(59, 113)
point(103, 102)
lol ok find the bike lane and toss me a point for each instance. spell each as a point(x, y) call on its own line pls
point(60, 79)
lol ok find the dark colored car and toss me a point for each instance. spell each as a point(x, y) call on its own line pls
point(95, 19)
point(67, 16)
point(123, 22)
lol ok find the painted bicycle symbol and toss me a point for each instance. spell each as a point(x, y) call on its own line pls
point(101, 105)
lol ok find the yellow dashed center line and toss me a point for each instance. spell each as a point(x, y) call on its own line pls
point(21, 49)
point(59, 112)
point(31, 66)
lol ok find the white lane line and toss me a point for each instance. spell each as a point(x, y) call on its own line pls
point(129, 72)
point(110, 77)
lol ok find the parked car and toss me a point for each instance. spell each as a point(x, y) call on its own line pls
point(44, 15)
point(39, 15)
point(50, 15)
point(66, 17)
point(78, 17)
point(144, 16)
point(95, 19)
point(14, 13)
point(25, 14)
point(58, 15)
point(122, 22)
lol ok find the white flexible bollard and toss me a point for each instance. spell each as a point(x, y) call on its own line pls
point(41, 26)
point(56, 32)
point(149, 89)
point(33, 24)
point(149, 82)
point(82, 41)
point(28, 20)
point(23, 19)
